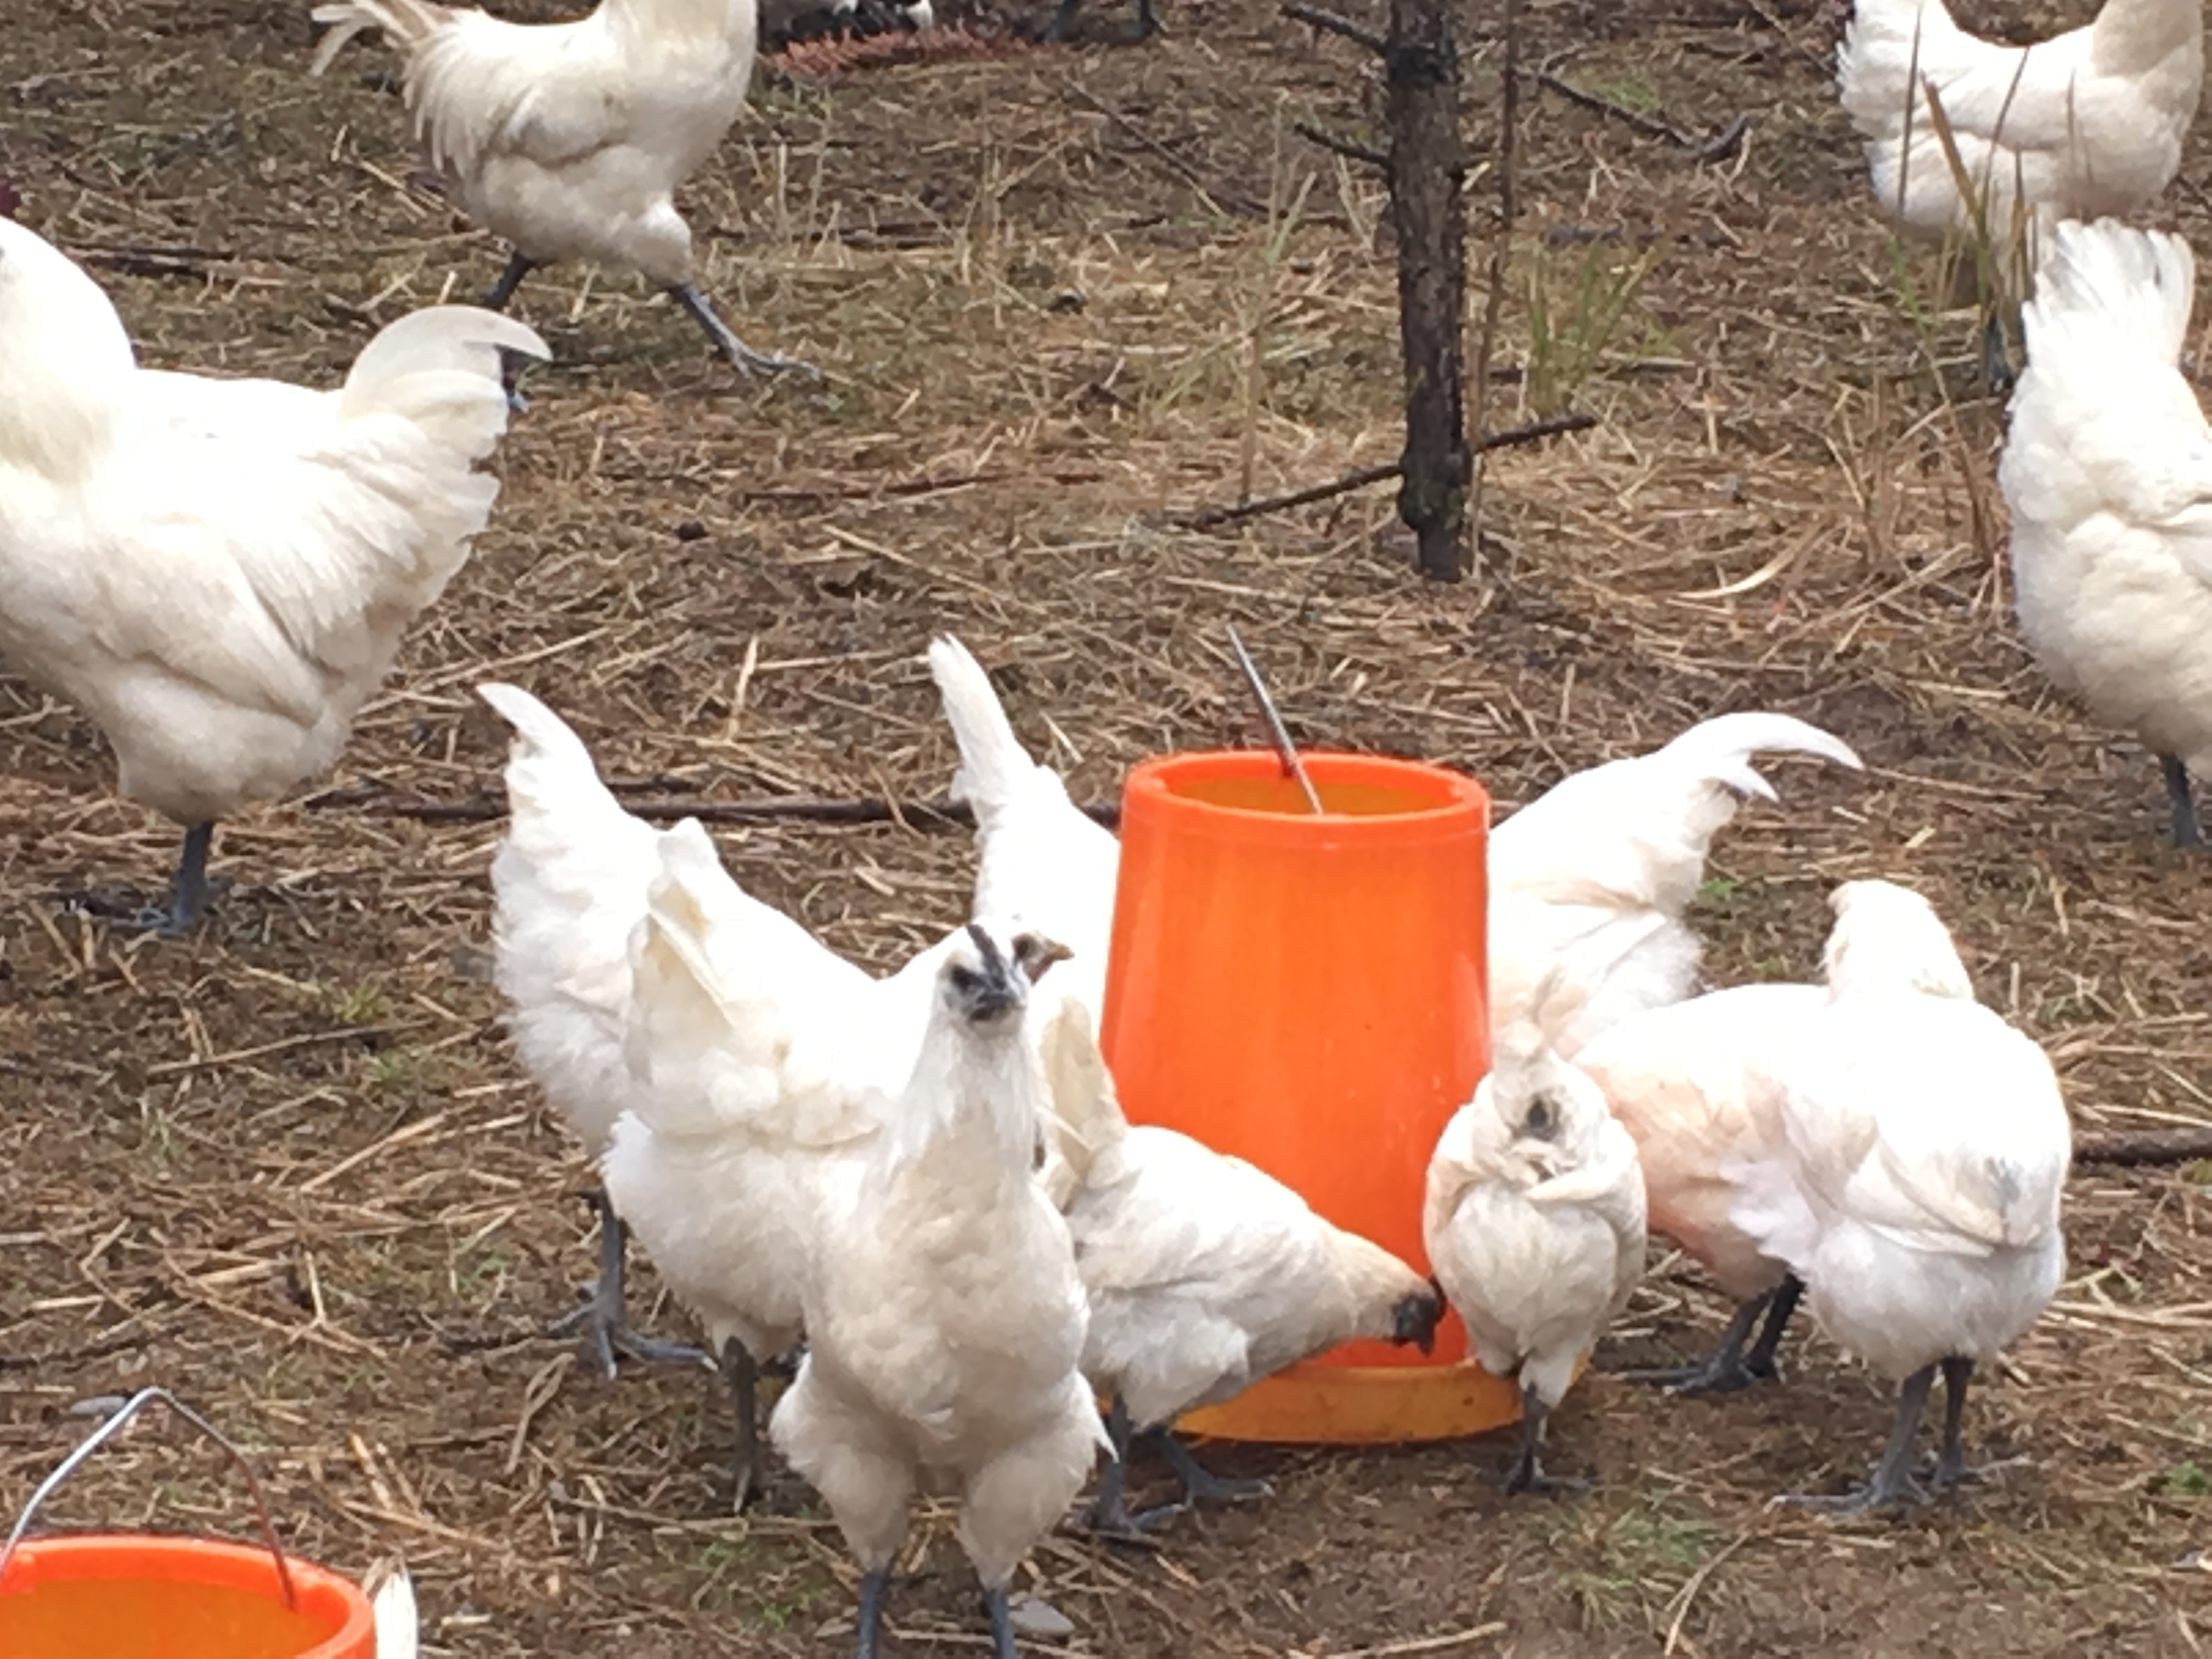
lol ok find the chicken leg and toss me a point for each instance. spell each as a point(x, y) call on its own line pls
point(188, 890)
point(733, 350)
point(517, 267)
point(1108, 1516)
point(743, 1375)
point(602, 1313)
point(2187, 832)
point(1729, 1368)
point(1892, 1482)
point(1002, 1625)
point(1525, 1473)
point(873, 1587)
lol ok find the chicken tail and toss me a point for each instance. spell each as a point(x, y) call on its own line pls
point(447, 369)
point(406, 23)
point(569, 884)
point(2108, 293)
point(993, 764)
point(1888, 938)
point(393, 1610)
point(1083, 1116)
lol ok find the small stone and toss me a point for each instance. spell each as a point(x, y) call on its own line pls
point(1067, 300)
point(1032, 1615)
point(690, 530)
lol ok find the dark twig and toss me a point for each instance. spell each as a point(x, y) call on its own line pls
point(1344, 147)
point(1719, 147)
point(1207, 518)
point(784, 809)
point(2144, 1145)
point(1330, 23)
point(1214, 194)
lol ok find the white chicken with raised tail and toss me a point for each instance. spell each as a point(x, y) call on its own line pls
point(1533, 1220)
point(569, 883)
point(1045, 863)
point(219, 573)
point(764, 1061)
point(946, 1319)
point(2108, 471)
point(1917, 1192)
point(1203, 1274)
point(2090, 122)
point(1591, 880)
point(570, 139)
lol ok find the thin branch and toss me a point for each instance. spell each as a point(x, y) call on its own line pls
point(1647, 125)
point(1208, 518)
point(781, 809)
point(2144, 1146)
point(1345, 146)
point(1330, 22)
point(1213, 194)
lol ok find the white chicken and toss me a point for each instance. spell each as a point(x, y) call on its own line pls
point(2091, 122)
point(2107, 471)
point(1697, 1085)
point(764, 1062)
point(1591, 880)
point(1533, 1220)
point(1204, 1274)
point(1045, 863)
point(570, 881)
point(570, 139)
point(1917, 1191)
point(945, 1317)
point(219, 573)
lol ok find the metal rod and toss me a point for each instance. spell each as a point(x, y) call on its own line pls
point(108, 1430)
point(1277, 732)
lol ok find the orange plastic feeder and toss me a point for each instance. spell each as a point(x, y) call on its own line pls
point(129, 1595)
point(1309, 993)
point(121, 1596)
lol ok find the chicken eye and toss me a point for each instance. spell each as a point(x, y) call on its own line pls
point(965, 980)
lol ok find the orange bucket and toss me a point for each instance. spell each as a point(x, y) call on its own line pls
point(110, 1595)
point(1309, 993)
point(129, 1595)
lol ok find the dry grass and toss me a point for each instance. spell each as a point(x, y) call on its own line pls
point(289, 1168)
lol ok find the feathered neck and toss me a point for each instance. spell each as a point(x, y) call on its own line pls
point(2131, 37)
point(68, 362)
point(974, 1096)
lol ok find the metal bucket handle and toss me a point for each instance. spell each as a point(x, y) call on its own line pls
point(106, 1431)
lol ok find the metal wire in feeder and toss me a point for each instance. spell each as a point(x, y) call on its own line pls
point(1278, 733)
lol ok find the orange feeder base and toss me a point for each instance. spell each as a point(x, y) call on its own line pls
point(1308, 993)
point(131, 1596)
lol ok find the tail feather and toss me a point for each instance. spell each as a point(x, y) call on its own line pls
point(2109, 294)
point(443, 368)
point(398, 1625)
point(569, 882)
point(1889, 938)
point(993, 764)
point(739, 1015)
point(406, 23)
point(1636, 831)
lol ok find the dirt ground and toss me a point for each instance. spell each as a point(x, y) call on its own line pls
point(289, 1166)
